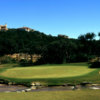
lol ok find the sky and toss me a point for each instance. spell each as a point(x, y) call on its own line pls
point(67, 17)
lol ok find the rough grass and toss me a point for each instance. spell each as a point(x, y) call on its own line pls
point(53, 95)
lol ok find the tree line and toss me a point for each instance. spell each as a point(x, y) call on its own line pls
point(53, 49)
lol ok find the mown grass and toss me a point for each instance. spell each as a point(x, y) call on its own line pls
point(53, 95)
point(74, 73)
point(47, 71)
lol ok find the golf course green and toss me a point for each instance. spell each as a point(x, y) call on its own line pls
point(47, 71)
point(50, 74)
point(57, 74)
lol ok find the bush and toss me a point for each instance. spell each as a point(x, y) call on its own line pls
point(41, 61)
point(24, 62)
point(79, 58)
point(95, 64)
point(6, 59)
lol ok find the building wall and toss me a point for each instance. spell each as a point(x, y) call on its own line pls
point(3, 27)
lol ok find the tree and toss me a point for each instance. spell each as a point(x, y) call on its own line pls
point(99, 35)
point(90, 36)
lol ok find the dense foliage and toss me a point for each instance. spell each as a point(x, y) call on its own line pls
point(52, 49)
point(95, 64)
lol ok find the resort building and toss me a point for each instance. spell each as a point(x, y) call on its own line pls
point(3, 27)
point(26, 29)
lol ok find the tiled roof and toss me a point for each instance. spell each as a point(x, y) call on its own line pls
point(24, 28)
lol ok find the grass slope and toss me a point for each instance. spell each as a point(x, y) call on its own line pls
point(53, 95)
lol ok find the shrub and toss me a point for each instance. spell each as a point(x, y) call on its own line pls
point(24, 62)
point(95, 64)
point(6, 59)
point(93, 59)
point(40, 61)
point(79, 58)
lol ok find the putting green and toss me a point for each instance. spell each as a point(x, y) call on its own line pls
point(47, 71)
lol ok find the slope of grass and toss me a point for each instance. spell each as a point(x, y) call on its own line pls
point(53, 95)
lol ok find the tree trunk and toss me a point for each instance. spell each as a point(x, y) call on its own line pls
point(31, 56)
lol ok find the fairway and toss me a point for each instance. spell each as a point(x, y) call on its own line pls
point(53, 95)
point(47, 71)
